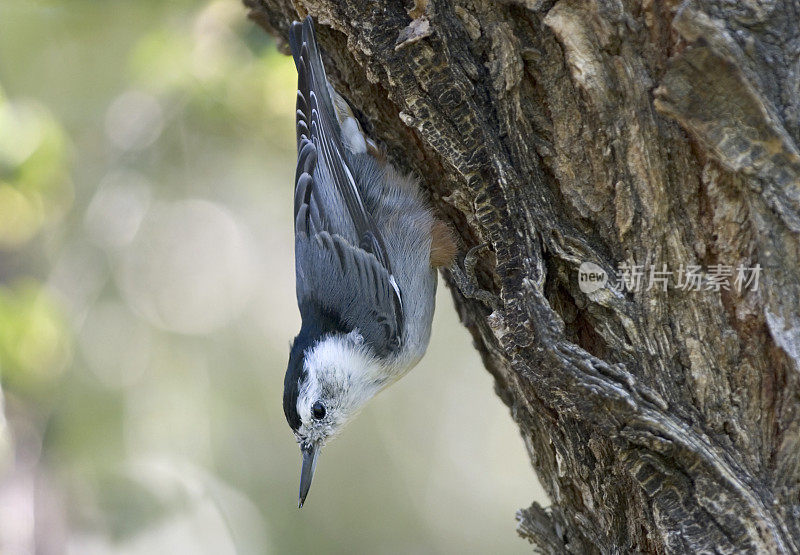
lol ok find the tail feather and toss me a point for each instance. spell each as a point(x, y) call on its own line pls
point(311, 70)
point(319, 130)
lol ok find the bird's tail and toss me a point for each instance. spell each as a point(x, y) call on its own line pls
point(312, 77)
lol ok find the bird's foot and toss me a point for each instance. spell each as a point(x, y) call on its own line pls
point(467, 282)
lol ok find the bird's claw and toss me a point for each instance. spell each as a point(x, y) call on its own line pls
point(467, 282)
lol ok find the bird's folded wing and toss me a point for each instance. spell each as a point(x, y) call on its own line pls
point(318, 125)
point(354, 281)
point(334, 277)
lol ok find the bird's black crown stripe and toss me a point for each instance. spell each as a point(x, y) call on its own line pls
point(317, 323)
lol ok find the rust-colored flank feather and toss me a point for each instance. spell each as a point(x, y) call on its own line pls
point(443, 245)
point(377, 152)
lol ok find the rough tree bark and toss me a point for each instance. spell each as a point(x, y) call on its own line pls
point(650, 133)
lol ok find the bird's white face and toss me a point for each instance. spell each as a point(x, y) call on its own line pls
point(341, 376)
point(340, 379)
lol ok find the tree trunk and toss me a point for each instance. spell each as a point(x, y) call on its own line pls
point(658, 134)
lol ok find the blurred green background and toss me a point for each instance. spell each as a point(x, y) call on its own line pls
point(147, 305)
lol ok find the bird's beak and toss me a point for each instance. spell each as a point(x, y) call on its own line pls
point(310, 452)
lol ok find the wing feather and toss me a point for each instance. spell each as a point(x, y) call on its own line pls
point(342, 278)
point(332, 273)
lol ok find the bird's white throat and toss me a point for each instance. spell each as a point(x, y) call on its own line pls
point(344, 363)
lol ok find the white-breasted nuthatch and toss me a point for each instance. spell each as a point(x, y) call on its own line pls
point(366, 251)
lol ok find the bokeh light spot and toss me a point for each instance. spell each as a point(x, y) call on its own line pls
point(115, 344)
point(19, 217)
point(21, 132)
point(134, 120)
point(34, 344)
point(190, 268)
point(117, 209)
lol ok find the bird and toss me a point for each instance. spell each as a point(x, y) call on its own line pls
point(367, 250)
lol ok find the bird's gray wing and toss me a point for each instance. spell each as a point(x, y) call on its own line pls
point(317, 123)
point(339, 282)
point(337, 279)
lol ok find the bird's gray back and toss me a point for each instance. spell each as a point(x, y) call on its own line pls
point(405, 221)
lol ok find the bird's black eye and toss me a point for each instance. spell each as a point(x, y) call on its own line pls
point(318, 410)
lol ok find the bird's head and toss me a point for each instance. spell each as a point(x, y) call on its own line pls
point(327, 383)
